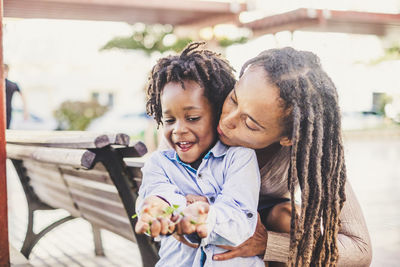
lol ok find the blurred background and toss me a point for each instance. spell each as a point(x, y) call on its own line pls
point(83, 65)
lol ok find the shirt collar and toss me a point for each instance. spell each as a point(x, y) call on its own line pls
point(218, 150)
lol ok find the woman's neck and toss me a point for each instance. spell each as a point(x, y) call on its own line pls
point(265, 154)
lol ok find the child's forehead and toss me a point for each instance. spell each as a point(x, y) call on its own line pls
point(191, 86)
point(174, 93)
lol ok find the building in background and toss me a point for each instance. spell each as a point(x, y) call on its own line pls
point(59, 60)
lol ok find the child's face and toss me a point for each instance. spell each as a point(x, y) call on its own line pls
point(188, 120)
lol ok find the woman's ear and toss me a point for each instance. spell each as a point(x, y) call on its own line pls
point(285, 141)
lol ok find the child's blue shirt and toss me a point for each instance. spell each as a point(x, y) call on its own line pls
point(229, 177)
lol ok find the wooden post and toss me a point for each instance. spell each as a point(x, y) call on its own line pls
point(4, 246)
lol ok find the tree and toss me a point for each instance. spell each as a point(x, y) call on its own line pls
point(149, 38)
point(161, 38)
point(77, 115)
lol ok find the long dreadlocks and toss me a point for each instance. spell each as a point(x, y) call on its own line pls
point(317, 160)
point(207, 68)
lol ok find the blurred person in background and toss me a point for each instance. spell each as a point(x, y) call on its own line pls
point(11, 88)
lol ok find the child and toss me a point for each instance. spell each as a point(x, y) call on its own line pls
point(186, 94)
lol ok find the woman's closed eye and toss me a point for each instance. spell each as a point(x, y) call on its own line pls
point(249, 125)
point(233, 100)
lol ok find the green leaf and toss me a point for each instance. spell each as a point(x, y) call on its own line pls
point(170, 210)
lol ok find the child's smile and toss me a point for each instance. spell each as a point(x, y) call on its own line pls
point(184, 146)
point(188, 120)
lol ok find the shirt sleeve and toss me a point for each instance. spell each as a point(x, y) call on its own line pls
point(157, 183)
point(354, 242)
point(233, 216)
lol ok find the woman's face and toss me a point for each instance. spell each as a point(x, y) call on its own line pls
point(251, 115)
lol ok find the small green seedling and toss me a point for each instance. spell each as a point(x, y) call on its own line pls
point(170, 210)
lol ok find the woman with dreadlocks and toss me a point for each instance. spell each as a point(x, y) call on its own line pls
point(286, 108)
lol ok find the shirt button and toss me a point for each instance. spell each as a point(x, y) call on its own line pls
point(200, 175)
point(249, 215)
point(212, 199)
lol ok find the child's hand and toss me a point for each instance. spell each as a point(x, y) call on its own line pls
point(152, 218)
point(190, 199)
point(194, 219)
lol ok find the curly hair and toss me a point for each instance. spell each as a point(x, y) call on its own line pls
point(206, 68)
point(317, 159)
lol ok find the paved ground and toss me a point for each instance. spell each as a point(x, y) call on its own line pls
point(373, 168)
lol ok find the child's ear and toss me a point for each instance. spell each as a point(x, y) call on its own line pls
point(285, 141)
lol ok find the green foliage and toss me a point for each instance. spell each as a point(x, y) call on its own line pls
point(76, 115)
point(160, 38)
point(391, 53)
point(225, 42)
point(149, 39)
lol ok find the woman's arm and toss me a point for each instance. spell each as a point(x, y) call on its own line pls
point(353, 240)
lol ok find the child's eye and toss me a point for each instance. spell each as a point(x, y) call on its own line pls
point(193, 118)
point(169, 121)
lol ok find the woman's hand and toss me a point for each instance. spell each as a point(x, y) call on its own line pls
point(194, 220)
point(152, 217)
point(254, 246)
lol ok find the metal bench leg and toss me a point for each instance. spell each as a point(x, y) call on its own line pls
point(31, 238)
point(98, 244)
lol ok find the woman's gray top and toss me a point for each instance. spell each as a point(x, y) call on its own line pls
point(354, 242)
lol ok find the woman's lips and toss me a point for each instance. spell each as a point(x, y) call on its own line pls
point(220, 132)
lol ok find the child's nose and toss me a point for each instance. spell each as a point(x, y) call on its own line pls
point(180, 128)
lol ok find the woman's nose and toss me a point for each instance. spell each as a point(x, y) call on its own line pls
point(229, 119)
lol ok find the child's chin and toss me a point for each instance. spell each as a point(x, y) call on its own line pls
point(188, 158)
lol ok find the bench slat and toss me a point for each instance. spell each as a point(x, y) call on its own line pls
point(96, 175)
point(59, 188)
point(55, 199)
point(77, 158)
point(117, 226)
point(123, 230)
point(108, 206)
point(77, 188)
point(100, 212)
point(44, 171)
point(70, 139)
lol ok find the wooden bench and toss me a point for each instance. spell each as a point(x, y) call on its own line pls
point(85, 173)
